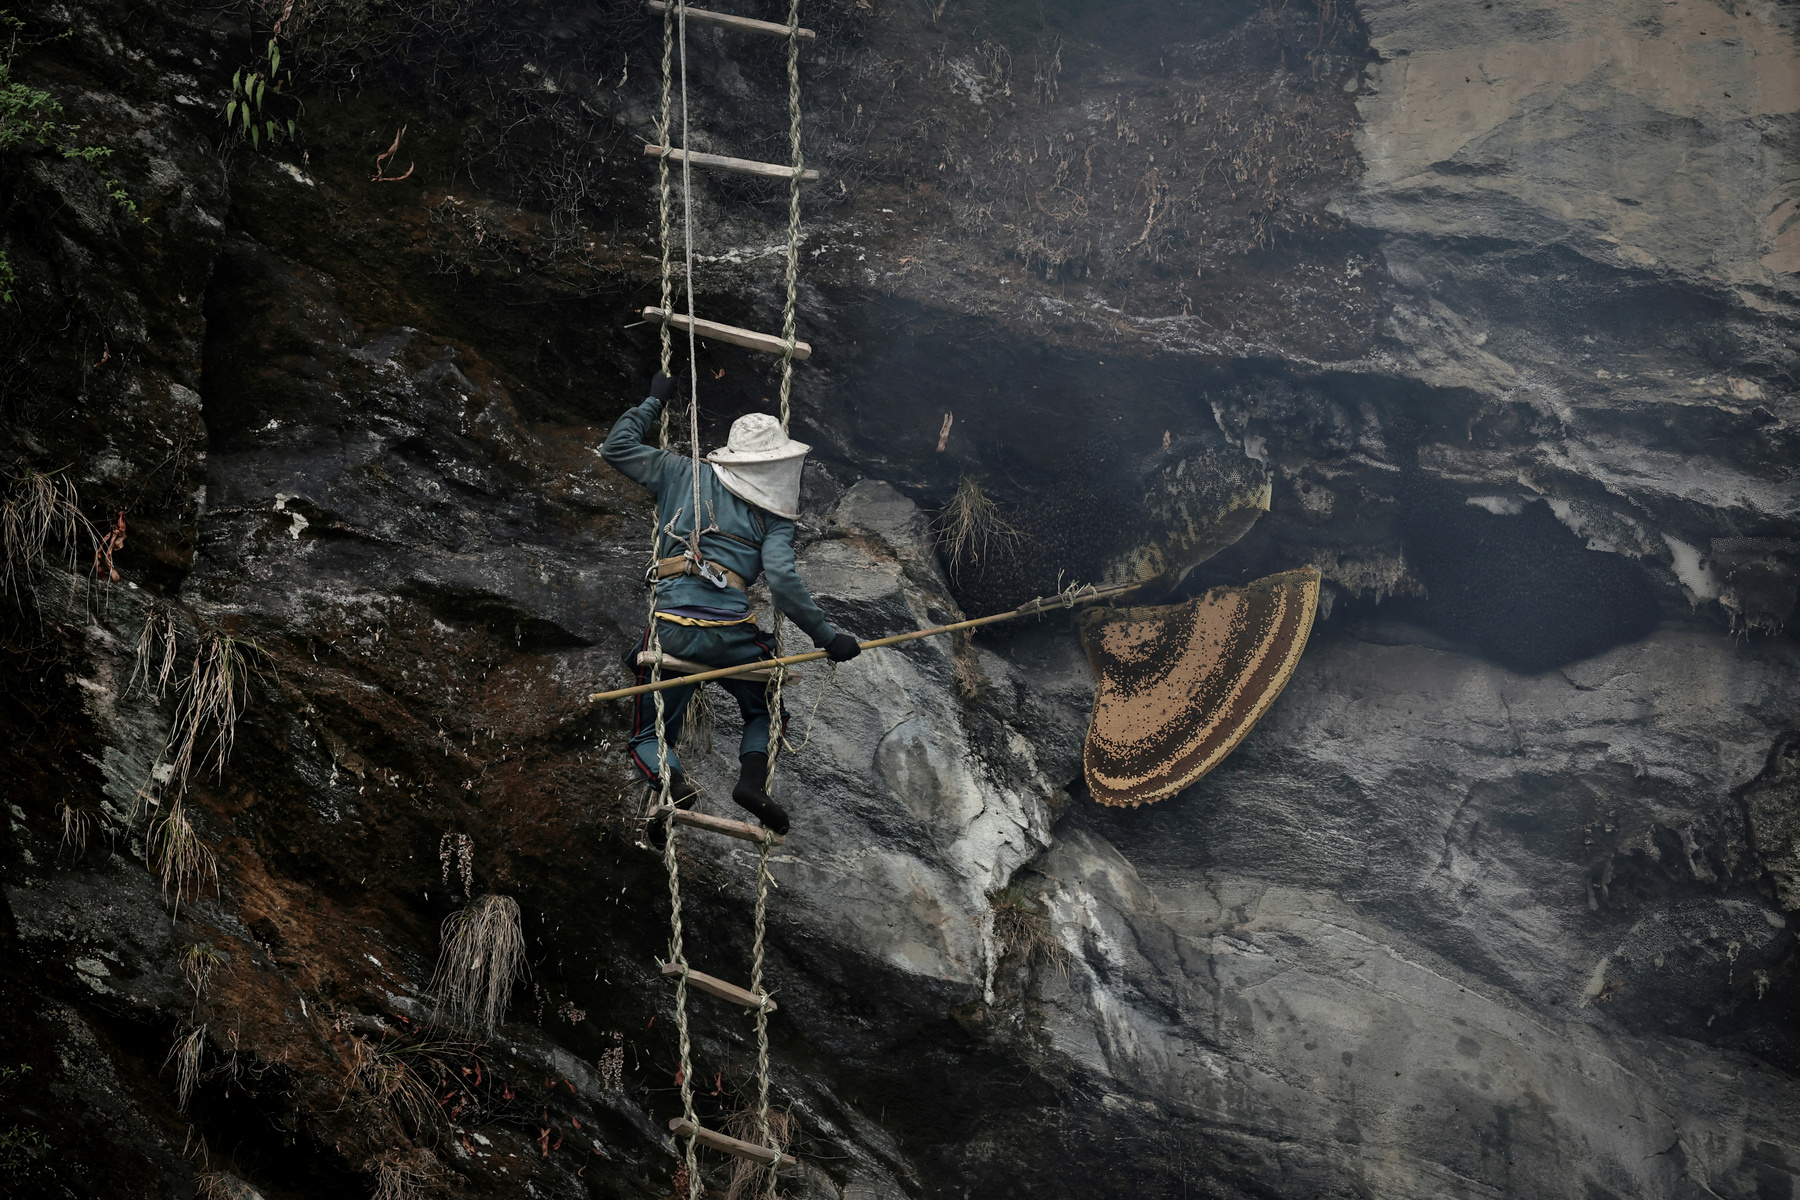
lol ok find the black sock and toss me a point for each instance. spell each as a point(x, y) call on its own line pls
point(750, 796)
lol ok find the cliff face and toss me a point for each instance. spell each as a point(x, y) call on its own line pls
point(1498, 900)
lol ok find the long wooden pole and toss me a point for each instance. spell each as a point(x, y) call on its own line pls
point(1030, 608)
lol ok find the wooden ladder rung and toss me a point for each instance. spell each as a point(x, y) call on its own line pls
point(681, 1127)
point(672, 666)
point(742, 166)
point(727, 21)
point(736, 829)
point(731, 333)
point(721, 989)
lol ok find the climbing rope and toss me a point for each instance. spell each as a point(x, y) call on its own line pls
point(675, 47)
point(777, 716)
point(671, 862)
point(793, 247)
point(762, 1012)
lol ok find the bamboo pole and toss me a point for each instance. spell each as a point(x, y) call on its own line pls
point(1030, 608)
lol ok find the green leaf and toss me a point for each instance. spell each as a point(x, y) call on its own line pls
point(230, 111)
point(290, 129)
point(271, 133)
point(274, 58)
point(255, 138)
point(244, 115)
point(237, 81)
point(261, 86)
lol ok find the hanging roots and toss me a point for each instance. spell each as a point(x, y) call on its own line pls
point(967, 527)
point(39, 511)
point(185, 1054)
point(483, 956)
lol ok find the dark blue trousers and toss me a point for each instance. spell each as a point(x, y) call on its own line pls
point(716, 646)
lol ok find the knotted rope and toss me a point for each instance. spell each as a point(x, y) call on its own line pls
point(675, 33)
point(777, 717)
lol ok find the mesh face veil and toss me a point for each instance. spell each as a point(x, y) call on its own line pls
point(761, 464)
point(773, 485)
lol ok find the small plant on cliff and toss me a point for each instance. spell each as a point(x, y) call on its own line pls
point(483, 956)
point(18, 1145)
point(213, 698)
point(245, 112)
point(181, 859)
point(217, 1185)
point(76, 822)
point(31, 120)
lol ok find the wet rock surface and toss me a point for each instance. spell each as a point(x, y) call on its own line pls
point(1498, 900)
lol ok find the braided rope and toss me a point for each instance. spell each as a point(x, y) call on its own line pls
point(687, 241)
point(762, 1013)
point(671, 863)
point(777, 717)
point(662, 179)
point(793, 254)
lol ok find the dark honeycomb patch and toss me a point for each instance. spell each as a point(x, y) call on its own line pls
point(1524, 590)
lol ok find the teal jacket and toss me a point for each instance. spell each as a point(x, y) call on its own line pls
point(749, 540)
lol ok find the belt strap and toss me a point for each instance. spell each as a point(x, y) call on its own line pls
point(681, 564)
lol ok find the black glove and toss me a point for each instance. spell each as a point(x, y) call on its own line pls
point(842, 648)
point(662, 387)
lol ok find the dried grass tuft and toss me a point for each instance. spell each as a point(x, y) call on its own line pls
point(387, 1074)
point(185, 1054)
point(404, 1174)
point(212, 698)
point(222, 1185)
point(76, 824)
point(483, 956)
point(697, 723)
point(970, 526)
point(180, 858)
point(747, 1174)
point(40, 513)
point(1021, 926)
point(154, 661)
point(197, 963)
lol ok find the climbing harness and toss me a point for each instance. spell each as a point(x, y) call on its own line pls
point(693, 562)
point(687, 564)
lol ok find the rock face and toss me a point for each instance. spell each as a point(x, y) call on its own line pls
point(1497, 301)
